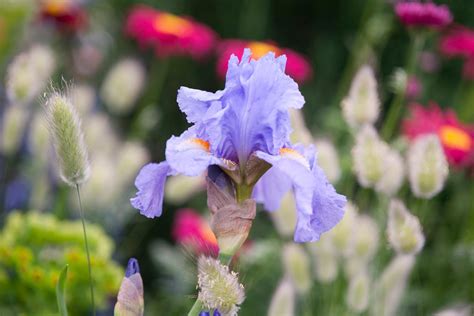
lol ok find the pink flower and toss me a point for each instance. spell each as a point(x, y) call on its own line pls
point(423, 14)
point(193, 232)
point(297, 66)
point(457, 139)
point(169, 34)
point(460, 43)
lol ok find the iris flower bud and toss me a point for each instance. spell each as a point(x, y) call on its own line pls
point(427, 166)
point(130, 297)
point(404, 230)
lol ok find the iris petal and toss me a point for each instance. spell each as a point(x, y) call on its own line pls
point(318, 204)
point(150, 183)
point(189, 155)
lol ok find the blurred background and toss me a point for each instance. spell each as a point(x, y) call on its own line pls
point(125, 91)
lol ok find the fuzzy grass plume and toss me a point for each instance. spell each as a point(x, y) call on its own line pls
point(68, 139)
point(219, 288)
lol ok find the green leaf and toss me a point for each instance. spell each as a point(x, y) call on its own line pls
point(60, 292)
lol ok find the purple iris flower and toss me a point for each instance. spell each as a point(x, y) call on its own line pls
point(248, 121)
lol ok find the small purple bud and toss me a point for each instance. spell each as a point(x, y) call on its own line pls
point(216, 313)
point(204, 313)
point(132, 267)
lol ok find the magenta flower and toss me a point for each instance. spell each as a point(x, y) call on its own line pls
point(460, 43)
point(169, 34)
point(297, 66)
point(192, 231)
point(418, 14)
point(245, 129)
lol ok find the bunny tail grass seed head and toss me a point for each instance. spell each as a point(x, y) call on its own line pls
point(297, 266)
point(283, 300)
point(404, 230)
point(362, 105)
point(65, 129)
point(428, 167)
point(391, 285)
point(368, 156)
point(357, 298)
point(219, 288)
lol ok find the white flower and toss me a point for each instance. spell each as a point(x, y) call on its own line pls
point(427, 166)
point(362, 104)
point(404, 230)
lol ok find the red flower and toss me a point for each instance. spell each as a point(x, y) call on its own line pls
point(457, 139)
point(192, 231)
point(423, 14)
point(169, 34)
point(297, 66)
point(68, 15)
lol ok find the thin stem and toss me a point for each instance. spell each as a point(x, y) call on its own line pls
point(395, 108)
point(87, 248)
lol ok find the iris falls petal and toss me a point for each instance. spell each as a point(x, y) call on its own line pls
point(150, 183)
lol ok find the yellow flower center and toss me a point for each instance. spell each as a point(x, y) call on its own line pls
point(56, 7)
point(260, 49)
point(455, 138)
point(172, 24)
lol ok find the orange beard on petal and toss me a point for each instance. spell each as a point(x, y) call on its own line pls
point(455, 138)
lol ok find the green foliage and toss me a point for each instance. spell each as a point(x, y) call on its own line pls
point(60, 292)
point(34, 248)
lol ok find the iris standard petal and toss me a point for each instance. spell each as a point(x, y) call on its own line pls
point(251, 113)
point(189, 155)
point(150, 183)
point(195, 103)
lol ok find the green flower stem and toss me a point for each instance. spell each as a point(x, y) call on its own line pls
point(196, 309)
point(87, 249)
point(395, 108)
